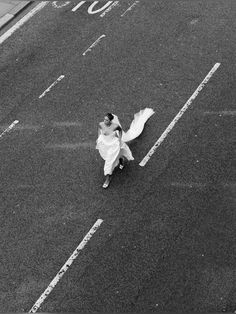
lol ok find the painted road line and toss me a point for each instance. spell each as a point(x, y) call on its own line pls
point(50, 87)
point(178, 116)
point(130, 8)
point(9, 128)
point(94, 44)
point(78, 6)
point(90, 9)
point(61, 5)
point(18, 24)
point(65, 267)
point(109, 8)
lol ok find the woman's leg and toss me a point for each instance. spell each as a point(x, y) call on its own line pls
point(107, 181)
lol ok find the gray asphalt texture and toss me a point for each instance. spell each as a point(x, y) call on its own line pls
point(167, 242)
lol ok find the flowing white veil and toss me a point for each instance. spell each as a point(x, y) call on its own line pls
point(137, 124)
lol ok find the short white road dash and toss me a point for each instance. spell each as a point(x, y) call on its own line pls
point(130, 8)
point(9, 128)
point(94, 44)
point(178, 116)
point(109, 8)
point(65, 267)
point(18, 24)
point(53, 84)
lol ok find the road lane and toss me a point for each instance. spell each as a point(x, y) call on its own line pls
point(52, 195)
point(165, 237)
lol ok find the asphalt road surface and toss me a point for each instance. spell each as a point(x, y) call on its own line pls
point(166, 241)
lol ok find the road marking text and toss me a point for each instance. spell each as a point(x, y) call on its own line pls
point(91, 7)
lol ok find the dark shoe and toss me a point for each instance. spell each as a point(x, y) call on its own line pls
point(121, 165)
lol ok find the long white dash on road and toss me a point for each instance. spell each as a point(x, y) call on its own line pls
point(178, 116)
point(130, 8)
point(65, 267)
point(9, 128)
point(94, 44)
point(53, 84)
point(18, 24)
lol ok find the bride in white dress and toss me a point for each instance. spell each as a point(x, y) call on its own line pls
point(112, 140)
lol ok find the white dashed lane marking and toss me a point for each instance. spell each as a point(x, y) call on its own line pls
point(50, 87)
point(178, 116)
point(116, 3)
point(65, 267)
point(93, 45)
point(11, 126)
point(130, 8)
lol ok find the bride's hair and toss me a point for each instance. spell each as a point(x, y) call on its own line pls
point(110, 116)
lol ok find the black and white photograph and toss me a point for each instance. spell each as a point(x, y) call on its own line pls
point(117, 156)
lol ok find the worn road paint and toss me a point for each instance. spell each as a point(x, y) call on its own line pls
point(55, 5)
point(109, 8)
point(18, 24)
point(130, 8)
point(9, 128)
point(65, 267)
point(71, 146)
point(53, 84)
point(94, 44)
point(220, 113)
point(196, 185)
point(178, 116)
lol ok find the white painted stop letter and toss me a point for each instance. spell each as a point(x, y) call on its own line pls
point(90, 9)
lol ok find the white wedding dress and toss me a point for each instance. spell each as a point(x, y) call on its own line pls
point(109, 146)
